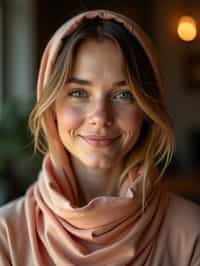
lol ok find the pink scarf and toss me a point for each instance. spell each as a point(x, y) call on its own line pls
point(109, 230)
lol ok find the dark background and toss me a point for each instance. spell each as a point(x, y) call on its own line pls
point(25, 28)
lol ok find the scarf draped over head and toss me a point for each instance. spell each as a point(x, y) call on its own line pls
point(109, 230)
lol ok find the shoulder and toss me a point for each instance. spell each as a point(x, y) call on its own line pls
point(11, 210)
point(178, 241)
point(11, 216)
point(10, 224)
point(182, 219)
point(14, 212)
point(180, 232)
point(183, 213)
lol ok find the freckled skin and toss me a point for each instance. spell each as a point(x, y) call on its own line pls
point(98, 114)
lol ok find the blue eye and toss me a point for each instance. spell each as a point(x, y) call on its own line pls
point(124, 95)
point(78, 93)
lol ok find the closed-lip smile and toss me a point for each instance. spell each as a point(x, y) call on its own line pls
point(97, 137)
point(99, 141)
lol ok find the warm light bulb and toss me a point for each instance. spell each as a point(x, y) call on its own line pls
point(187, 28)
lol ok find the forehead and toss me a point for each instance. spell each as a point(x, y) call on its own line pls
point(98, 59)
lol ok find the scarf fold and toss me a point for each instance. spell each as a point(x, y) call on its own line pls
point(109, 230)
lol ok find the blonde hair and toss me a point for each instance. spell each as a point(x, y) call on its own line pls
point(156, 142)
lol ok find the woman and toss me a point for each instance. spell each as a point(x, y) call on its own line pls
point(101, 121)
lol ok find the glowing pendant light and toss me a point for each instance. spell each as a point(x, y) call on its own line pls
point(187, 28)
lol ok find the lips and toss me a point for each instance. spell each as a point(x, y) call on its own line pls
point(99, 141)
point(96, 137)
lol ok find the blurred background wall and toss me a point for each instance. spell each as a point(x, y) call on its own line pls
point(25, 28)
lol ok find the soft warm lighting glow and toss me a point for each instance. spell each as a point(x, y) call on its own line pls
point(187, 28)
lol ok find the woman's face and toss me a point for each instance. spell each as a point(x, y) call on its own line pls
point(98, 119)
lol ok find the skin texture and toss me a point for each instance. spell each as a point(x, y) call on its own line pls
point(98, 108)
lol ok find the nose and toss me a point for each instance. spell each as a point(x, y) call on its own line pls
point(101, 115)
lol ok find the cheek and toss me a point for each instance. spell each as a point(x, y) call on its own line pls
point(68, 117)
point(131, 120)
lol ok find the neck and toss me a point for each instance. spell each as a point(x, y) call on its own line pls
point(95, 182)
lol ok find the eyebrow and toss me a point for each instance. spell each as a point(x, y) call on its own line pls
point(89, 83)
